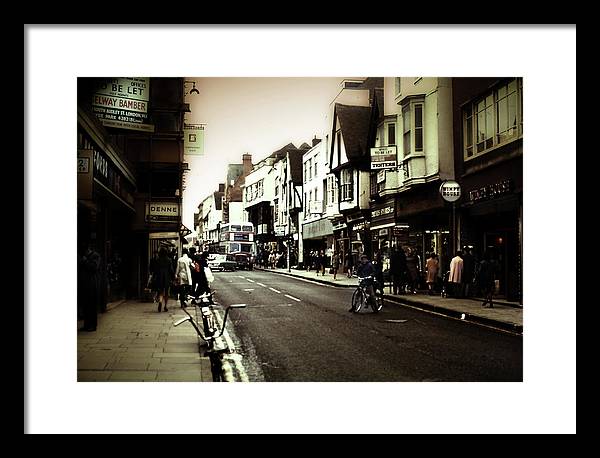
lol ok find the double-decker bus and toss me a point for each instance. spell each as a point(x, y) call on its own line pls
point(236, 238)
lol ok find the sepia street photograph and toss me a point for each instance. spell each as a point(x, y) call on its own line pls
point(310, 236)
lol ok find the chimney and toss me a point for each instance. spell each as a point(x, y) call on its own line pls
point(247, 163)
point(316, 141)
point(221, 187)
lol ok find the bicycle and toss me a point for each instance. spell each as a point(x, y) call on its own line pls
point(361, 295)
point(211, 331)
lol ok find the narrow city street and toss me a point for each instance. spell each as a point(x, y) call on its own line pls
point(296, 330)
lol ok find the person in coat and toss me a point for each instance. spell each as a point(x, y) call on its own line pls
point(486, 278)
point(378, 265)
point(183, 276)
point(468, 272)
point(90, 287)
point(432, 265)
point(412, 269)
point(335, 263)
point(456, 272)
point(164, 277)
point(398, 269)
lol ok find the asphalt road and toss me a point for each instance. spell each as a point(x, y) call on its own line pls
point(299, 331)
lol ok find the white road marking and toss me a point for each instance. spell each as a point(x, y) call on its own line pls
point(237, 361)
point(251, 281)
point(261, 284)
point(248, 289)
point(241, 276)
point(292, 297)
point(274, 290)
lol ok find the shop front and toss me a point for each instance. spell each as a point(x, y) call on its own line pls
point(105, 206)
point(491, 220)
point(317, 236)
point(422, 225)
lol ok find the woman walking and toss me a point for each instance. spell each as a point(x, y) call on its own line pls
point(433, 267)
point(164, 277)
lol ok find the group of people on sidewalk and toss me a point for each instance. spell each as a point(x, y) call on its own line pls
point(188, 277)
point(465, 278)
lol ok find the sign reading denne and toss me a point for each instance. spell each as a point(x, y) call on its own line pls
point(384, 157)
point(123, 103)
point(162, 211)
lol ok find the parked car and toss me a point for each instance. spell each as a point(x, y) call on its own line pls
point(222, 262)
point(244, 261)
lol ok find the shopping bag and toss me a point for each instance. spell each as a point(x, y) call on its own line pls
point(209, 275)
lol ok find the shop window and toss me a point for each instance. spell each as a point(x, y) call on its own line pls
point(347, 185)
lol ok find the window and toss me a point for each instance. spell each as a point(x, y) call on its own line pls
point(412, 127)
point(310, 169)
point(338, 142)
point(346, 185)
point(493, 119)
point(276, 211)
point(406, 130)
point(391, 134)
point(305, 173)
point(316, 162)
point(331, 188)
point(397, 86)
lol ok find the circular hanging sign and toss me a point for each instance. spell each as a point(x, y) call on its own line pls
point(450, 191)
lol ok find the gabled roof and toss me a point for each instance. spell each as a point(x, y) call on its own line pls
point(296, 164)
point(354, 124)
point(218, 196)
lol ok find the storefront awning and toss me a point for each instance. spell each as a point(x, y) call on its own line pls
point(317, 229)
point(381, 226)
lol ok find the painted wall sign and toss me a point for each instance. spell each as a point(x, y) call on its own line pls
point(382, 212)
point(491, 191)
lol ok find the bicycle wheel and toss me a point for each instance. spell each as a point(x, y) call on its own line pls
point(378, 304)
point(358, 300)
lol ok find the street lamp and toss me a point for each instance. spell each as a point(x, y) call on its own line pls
point(193, 90)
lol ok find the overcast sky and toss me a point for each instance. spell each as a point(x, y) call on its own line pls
point(250, 115)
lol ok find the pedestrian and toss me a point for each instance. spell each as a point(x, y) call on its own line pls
point(195, 270)
point(183, 275)
point(486, 278)
point(456, 270)
point(321, 263)
point(203, 286)
point(378, 265)
point(152, 272)
point(349, 264)
point(90, 287)
point(164, 277)
point(335, 263)
point(398, 269)
point(468, 272)
point(433, 266)
point(412, 269)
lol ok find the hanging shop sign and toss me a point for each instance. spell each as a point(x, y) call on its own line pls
point(123, 103)
point(315, 207)
point(162, 212)
point(450, 191)
point(384, 157)
point(491, 191)
point(85, 176)
point(193, 142)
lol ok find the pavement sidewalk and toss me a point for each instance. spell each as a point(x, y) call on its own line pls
point(135, 343)
point(505, 315)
